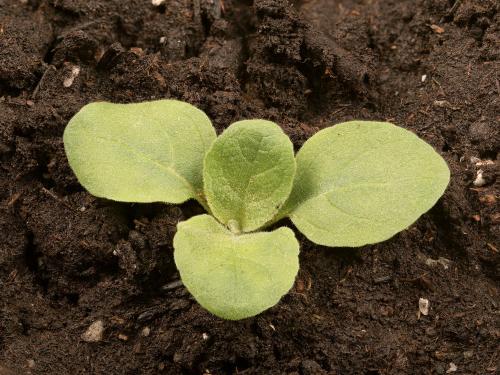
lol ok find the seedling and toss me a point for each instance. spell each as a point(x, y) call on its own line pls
point(356, 183)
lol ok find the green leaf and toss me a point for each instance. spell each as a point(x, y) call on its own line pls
point(142, 152)
point(235, 276)
point(361, 182)
point(248, 174)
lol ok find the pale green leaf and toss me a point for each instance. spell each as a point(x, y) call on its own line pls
point(142, 152)
point(248, 174)
point(235, 276)
point(361, 182)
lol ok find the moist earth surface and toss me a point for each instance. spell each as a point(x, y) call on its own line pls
point(88, 286)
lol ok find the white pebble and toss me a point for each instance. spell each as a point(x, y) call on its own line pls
point(453, 368)
point(157, 3)
point(146, 331)
point(94, 333)
point(442, 261)
point(479, 181)
point(423, 306)
point(75, 71)
point(479, 163)
point(424, 77)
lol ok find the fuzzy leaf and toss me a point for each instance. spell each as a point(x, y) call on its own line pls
point(361, 182)
point(248, 174)
point(235, 276)
point(142, 152)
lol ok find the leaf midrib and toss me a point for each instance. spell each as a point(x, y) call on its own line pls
point(337, 188)
point(142, 155)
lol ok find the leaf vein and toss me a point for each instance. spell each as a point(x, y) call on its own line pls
point(136, 152)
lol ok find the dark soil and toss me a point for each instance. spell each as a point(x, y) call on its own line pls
point(68, 259)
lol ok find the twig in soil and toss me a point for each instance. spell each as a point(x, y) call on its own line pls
point(13, 199)
point(139, 223)
point(11, 278)
point(452, 10)
point(40, 83)
point(493, 248)
point(346, 275)
point(382, 279)
point(173, 285)
point(421, 281)
point(53, 195)
point(455, 6)
point(440, 87)
point(337, 111)
point(151, 313)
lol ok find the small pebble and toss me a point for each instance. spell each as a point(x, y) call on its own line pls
point(157, 3)
point(75, 71)
point(453, 368)
point(442, 261)
point(94, 333)
point(423, 306)
point(123, 337)
point(468, 354)
point(31, 363)
point(424, 77)
point(145, 331)
point(481, 163)
point(437, 29)
point(205, 336)
point(442, 103)
point(479, 181)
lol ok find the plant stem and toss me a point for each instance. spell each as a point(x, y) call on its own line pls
point(274, 220)
point(200, 197)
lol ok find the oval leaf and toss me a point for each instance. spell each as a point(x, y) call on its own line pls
point(141, 152)
point(235, 276)
point(361, 182)
point(248, 174)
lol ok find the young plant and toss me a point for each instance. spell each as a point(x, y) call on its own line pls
point(352, 184)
